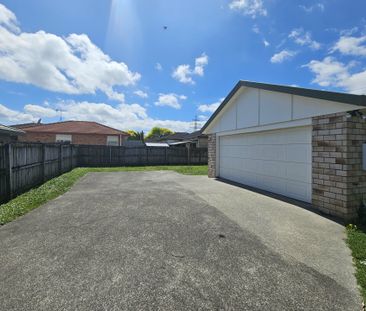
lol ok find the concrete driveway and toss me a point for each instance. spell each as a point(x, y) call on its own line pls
point(164, 241)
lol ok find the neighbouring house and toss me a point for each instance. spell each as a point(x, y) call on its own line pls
point(301, 143)
point(196, 139)
point(169, 138)
point(9, 134)
point(75, 132)
point(193, 140)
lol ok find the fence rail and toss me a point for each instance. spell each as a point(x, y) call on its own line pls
point(26, 165)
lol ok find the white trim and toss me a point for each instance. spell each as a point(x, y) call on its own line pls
point(217, 156)
point(62, 138)
point(268, 127)
point(112, 140)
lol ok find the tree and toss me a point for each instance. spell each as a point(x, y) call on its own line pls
point(158, 132)
point(134, 135)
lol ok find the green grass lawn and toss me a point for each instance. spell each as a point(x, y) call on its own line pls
point(357, 242)
point(59, 185)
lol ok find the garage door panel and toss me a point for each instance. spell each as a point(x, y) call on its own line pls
point(271, 152)
point(298, 190)
point(271, 168)
point(278, 161)
point(298, 136)
point(298, 153)
point(298, 171)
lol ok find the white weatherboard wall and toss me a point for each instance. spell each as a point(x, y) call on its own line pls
point(252, 107)
point(278, 161)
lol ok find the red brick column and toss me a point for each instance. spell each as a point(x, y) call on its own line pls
point(212, 155)
point(339, 183)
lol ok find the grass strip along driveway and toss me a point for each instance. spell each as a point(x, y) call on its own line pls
point(357, 243)
point(59, 185)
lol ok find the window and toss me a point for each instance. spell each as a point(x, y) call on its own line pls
point(112, 140)
point(62, 138)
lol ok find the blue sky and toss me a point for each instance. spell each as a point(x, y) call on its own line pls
point(113, 62)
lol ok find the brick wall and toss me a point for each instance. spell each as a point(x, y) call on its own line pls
point(212, 155)
point(78, 139)
point(38, 137)
point(339, 183)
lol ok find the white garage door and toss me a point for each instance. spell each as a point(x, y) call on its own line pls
point(278, 161)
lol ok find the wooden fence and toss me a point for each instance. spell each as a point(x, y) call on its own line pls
point(26, 165)
point(106, 156)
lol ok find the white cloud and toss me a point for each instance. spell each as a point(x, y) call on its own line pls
point(252, 8)
point(9, 116)
point(72, 64)
point(122, 116)
point(351, 46)
point(317, 6)
point(282, 56)
point(266, 43)
point(303, 38)
point(202, 117)
point(170, 100)
point(8, 19)
point(141, 94)
point(184, 73)
point(210, 107)
point(331, 73)
point(158, 67)
point(40, 111)
point(348, 32)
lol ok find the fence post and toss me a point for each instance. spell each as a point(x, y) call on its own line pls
point(110, 156)
point(60, 159)
point(188, 155)
point(10, 171)
point(147, 155)
point(43, 162)
point(71, 157)
point(166, 155)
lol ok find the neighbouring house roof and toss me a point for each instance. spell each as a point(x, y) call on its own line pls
point(74, 127)
point(24, 125)
point(151, 144)
point(358, 100)
point(175, 136)
point(195, 135)
point(10, 130)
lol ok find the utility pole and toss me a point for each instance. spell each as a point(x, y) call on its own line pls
point(195, 124)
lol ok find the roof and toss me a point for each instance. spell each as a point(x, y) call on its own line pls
point(149, 144)
point(74, 127)
point(24, 125)
point(345, 98)
point(10, 130)
point(195, 135)
point(175, 136)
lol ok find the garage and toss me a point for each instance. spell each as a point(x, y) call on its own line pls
point(277, 161)
point(299, 143)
